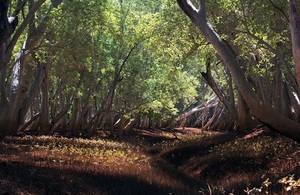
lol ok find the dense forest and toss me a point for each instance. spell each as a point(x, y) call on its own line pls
point(137, 69)
point(81, 66)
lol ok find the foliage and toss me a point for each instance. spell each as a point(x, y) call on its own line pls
point(149, 80)
point(157, 55)
point(289, 183)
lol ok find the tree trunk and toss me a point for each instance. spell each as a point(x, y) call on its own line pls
point(295, 34)
point(204, 116)
point(27, 65)
point(44, 119)
point(121, 126)
point(61, 116)
point(82, 121)
point(262, 112)
point(6, 30)
point(262, 91)
point(278, 89)
point(104, 109)
point(210, 81)
point(74, 117)
point(212, 119)
point(245, 120)
point(13, 113)
point(28, 123)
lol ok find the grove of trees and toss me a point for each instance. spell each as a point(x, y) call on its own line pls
point(80, 66)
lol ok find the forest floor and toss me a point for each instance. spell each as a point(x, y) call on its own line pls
point(178, 161)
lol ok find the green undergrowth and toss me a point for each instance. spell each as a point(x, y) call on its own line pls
point(261, 146)
point(93, 151)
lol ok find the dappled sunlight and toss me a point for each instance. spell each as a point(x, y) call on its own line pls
point(149, 97)
point(155, 159)
point(95, 156)
point(228, 164)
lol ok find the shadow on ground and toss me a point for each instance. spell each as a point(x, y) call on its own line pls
point(213, 164)
point(216, 162)
point(19, 178)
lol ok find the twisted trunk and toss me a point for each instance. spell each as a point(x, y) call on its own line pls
point(264, 113)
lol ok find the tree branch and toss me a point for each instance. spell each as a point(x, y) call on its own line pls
point(23, 26)
point(280, 10)
point(20, 5)
point(126, 58)
point(261, 111)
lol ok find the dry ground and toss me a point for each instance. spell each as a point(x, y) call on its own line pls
point(177, 161)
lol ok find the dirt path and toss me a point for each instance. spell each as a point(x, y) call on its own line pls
point(177, 161)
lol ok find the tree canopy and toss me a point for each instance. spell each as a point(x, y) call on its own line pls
point(82, 66)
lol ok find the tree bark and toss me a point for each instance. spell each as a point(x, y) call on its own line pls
point(6, 30)
point(75, 113)
point(295, 34)
point(244, 116)
point(121, 126)
point(213, 85)
point(107, 101)
point(44, 119)
point(18, 105)
point(262, 112)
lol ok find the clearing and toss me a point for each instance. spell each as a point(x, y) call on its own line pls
point(178, 161)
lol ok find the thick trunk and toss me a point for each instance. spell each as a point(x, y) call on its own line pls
point(4, 105)
point(6, 29)
point(27, 65)
point(245, 120)
point(9, 36)
point(22, 102)
point(295, 34)
point(262, 112)
point(26, 89)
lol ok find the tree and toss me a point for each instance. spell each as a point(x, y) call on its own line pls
point(261, 111)
point(14, 105)
point(295, 34)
